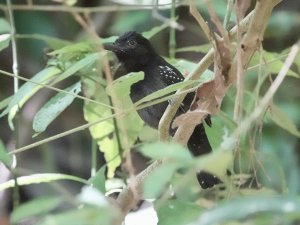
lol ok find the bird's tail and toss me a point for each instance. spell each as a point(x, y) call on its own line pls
point(198, 144)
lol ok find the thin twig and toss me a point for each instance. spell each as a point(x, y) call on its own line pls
point(15, 68)
point(172, 38)
point(78, 9)
point(14, 46)
point(55, 89)
point(270, 93)
point(195, 13)
point(60, 135)
point(204, 63)
point(237, 115)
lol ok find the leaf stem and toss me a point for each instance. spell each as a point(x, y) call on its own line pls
point(15, 69)
point(172, 40)
point(94, 158)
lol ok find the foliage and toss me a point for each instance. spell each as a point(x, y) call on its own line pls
point(265, 173)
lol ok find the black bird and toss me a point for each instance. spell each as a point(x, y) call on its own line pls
point(137, 54)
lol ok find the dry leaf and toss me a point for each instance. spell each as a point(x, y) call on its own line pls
point(190, 117)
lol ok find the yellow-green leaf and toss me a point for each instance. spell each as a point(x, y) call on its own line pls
point(283, 120)
point(40, 178)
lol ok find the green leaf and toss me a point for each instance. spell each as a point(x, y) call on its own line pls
point(177, 212)
point(215, 132)
point(52, 42)
point(282, 119)
point(148, 134)
point(161, 150)
point(158, 180)
point(4, 26)
point(27, 90)
point(107, 144)
point(4, 156)
point(167, 90)
point(86, 61)
point(40, 178)
point(122, 85)
point(82, 47)
point(54, 107)
point(83, 216)
point(105, 133)
point(91, 196)
point(231, 210)
point(98, 180)
point(4, 103)
point(109, 39)
point(186, 67)
point(272, 62)
point(155, 30)
point(216, 162)
point(4, 41)
point(35, 207)
point(297, 59)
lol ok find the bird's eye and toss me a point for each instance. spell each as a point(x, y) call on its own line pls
point(131, 42)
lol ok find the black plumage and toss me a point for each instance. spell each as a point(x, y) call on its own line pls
point(137, 54)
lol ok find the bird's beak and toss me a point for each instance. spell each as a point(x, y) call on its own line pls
point(110, 47)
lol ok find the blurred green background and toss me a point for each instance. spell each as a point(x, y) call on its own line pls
point(279, 149)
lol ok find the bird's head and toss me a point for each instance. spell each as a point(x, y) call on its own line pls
point(132, 49)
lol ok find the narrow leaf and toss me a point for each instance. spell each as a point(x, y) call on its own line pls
point(54, 107)
point(27, 90)
point(155, 30)
point(78, 47)
point(272, 63)
point(86, 61)
point(176, 211)
point(166, 151)
point(4, 26)
point(35, 207)
point(158, 179)
point(4, 41)
point(122, 85)
point(283, 120)
point(231, 210)
point(4, 156)
point(98, 181)
point(215, 162)
point(4, 103)
point(83, 216)
point(186, 67)
point(40, 178)
point(167, 90)
point(52, 42)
